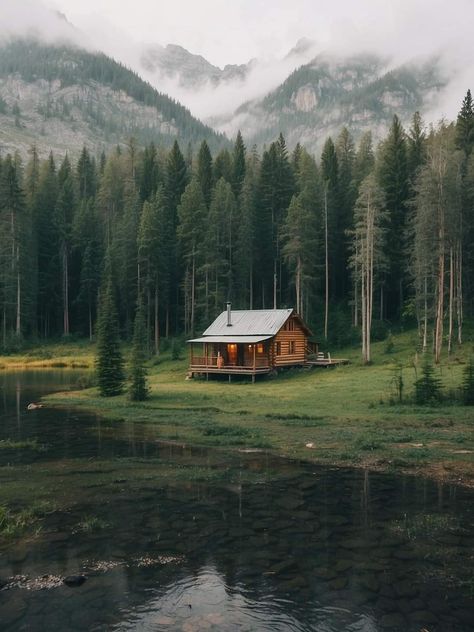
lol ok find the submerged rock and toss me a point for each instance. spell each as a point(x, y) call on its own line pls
point(74, 580)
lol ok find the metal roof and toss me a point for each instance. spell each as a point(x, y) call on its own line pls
point(228, 339)
point(249, 322)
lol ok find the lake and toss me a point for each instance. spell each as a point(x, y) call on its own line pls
point(174, 537)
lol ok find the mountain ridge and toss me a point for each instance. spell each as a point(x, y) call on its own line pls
point(61, 94)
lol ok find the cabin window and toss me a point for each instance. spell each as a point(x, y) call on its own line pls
point(291, 347)
point(260, 348)
point(278, 348)
point(290, 325)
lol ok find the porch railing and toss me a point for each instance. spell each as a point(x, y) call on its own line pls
point(200, 361)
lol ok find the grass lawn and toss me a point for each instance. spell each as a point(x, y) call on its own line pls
point(342, 416)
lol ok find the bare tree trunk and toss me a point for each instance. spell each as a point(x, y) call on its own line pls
point(459, 288)
point(298, 286)
point(425, 317)
point(356, 289)
point(18, 293)
point(65, 292)
point(192, 293)
point(251, 287)
point(157, 322)
point(451, 299)
point(326, 309)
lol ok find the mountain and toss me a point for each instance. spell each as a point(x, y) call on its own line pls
point(61, 97)
point(190, 70)
point(361, 92)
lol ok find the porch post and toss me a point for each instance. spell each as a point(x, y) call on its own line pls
point(254, 363)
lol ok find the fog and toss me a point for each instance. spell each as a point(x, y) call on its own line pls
point(227, 33)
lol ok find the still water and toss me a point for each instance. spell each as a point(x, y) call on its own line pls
point(178, 538)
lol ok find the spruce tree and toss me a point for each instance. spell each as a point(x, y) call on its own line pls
point(465, 125)
point(138, 389)
point(468, 383)
point(204, 171)
point(393, 178)
point(109, 361)
point(428, 386)
point(238, 165)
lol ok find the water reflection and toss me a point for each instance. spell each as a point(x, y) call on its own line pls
point(175, 538)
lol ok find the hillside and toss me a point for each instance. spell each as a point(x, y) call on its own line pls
point(62, 97)
point(319, 98)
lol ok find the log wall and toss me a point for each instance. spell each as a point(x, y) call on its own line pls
point(284, 337)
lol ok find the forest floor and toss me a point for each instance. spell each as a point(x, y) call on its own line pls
point(343, 416)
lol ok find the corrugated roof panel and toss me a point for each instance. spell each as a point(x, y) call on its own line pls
point(264, 322)
point(229, 339)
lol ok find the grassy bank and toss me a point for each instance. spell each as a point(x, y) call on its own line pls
point(342, 416)
point(57, 355)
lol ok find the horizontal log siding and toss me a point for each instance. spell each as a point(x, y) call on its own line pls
point(284, 337)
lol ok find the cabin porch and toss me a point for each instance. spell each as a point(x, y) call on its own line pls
point(248, 357)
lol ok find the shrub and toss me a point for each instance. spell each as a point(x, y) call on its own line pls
point(428, 386)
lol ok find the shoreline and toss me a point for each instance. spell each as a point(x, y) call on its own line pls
point(339, 417)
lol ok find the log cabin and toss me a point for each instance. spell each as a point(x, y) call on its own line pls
point(251, 342)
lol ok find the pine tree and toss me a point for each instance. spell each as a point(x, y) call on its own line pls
point(299, 238)
point(465, 125)
point(64, 217)
point(176, 179)
point(149, 173)
point(393, 177)
point(220, 242)
point(204, 171)
point(468, 383)
point(367, 253)
point(109, 361)
point(238, 165)
point(223, 166)
point(154, 261)
point(12, 248)
point(191, 233)
point(428, 386)
point(364, 159)
point(49, 285)
point(86, 176)
point(416, 147)
point(138, 389)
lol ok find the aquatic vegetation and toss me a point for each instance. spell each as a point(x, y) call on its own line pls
point(28, 444)
point(90, 524)
point(14, 523)
point(425, 525)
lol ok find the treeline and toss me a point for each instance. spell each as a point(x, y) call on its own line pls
point(357, 236)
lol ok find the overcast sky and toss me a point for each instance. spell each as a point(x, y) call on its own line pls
point(234, 31)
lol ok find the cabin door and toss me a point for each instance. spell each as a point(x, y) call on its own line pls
point(232, 353)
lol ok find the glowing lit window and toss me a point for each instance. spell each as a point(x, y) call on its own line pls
point(260, 348)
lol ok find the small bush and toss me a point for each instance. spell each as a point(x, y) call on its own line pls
point(367, 442)
point(428, 386)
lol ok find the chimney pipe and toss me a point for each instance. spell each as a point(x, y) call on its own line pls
point(229, 315)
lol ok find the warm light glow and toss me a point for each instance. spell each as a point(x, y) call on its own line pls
point(259, 348)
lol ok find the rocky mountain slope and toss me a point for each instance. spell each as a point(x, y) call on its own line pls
point(62, 97)
point(190, 71)
point(361, 92)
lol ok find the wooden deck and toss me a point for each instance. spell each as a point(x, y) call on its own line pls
point(327, 362)
point(229, 370)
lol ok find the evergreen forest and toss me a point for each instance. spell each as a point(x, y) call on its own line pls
point(358, 240)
